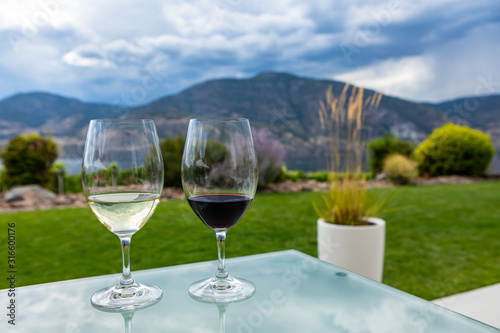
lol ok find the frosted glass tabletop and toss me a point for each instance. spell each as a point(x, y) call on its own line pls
point(295, 293)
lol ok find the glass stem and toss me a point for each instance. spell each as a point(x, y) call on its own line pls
point(222, 317)
point(221, 252)
point(128, 321)
point(126, 278)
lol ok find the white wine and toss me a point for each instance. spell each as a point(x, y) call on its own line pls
point(123, 213)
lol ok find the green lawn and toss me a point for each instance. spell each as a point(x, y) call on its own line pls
point(441, 240)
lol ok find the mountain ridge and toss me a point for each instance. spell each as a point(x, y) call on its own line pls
point(283, 103)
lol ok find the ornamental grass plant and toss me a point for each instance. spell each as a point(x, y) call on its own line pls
point(342, 118)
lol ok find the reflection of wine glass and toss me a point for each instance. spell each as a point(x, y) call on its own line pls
point(222, 307)
point(219, 177)
point(122, 176)
point(127, 314)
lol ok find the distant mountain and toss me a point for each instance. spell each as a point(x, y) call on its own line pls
point(42, 111)
point(481, 112)
point(65, 118)
point(285, 104)
point(288, 106)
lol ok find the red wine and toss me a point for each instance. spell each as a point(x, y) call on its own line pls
point(220, 211)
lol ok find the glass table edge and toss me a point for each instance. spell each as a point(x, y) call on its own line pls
point(166, 268)
point(398, 291)
point(252, 257)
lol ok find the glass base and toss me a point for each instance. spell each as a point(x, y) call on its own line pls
point(222, 290)
point(121, 297)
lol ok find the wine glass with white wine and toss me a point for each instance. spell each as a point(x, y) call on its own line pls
point(122, 176)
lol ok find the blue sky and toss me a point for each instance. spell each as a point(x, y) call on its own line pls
point(131, 52)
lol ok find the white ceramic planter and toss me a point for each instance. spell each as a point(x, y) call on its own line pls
point(359, 249)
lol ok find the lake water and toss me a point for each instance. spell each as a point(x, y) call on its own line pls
point(74, 165)
point(313, 163)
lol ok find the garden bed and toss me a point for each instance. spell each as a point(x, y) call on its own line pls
point(315, 186)
point(172, 193)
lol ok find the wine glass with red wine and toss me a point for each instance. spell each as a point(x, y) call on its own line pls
point(219, 177)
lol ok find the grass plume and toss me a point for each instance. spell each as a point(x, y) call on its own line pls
point(343, 119)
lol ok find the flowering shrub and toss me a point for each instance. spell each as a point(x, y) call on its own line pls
point(270, 156)
point(27, 159)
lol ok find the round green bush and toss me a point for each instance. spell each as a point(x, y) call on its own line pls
point(454, 150)
point(27, 159)
point(400, 169)
point(380, 148)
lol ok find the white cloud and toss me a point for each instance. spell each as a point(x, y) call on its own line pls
point(463, 65)
point(99, 50)
point(451, 70)
point(88, 56)
point(397, 77)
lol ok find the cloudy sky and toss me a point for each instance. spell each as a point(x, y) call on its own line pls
point(132, 52)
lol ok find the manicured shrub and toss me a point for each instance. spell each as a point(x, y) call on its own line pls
point(320, 176)
point(382, 147)
point(326, 176)
point(73, 184)
point(57, 170)
point(27, 159)
point(113, 173)
point(270, 156)
point(454, 150)
point(293, 175)
point(1, 183)
point(400, 169)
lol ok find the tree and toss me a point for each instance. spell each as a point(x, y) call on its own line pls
point(171, 150)
point(27, 159)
